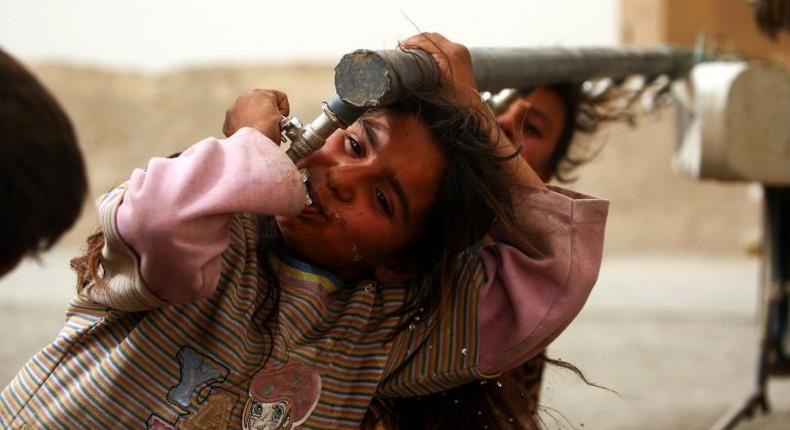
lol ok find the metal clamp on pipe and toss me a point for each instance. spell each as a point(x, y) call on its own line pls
point(303, 140)
point(499, 102)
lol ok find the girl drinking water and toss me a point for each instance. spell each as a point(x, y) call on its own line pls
point(215, 297)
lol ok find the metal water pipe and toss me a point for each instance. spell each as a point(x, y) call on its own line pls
point(367, 78)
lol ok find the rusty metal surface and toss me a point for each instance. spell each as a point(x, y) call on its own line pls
point(303, 140)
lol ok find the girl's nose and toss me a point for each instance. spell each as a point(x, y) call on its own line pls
point(343, 180)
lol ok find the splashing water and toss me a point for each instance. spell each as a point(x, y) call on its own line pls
point(306, 177)
point(356, 256)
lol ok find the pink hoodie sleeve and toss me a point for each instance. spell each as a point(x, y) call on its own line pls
point(538, 278)
point(175, 214)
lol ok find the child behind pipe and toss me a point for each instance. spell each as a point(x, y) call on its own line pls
point(213, 298)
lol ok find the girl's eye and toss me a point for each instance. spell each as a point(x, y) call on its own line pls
point(355, 146)
point(531, 130)
point(385, 204)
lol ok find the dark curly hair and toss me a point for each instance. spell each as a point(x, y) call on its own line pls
point(588, 106)
point(42, 175)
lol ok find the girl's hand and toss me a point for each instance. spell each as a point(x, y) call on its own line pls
point(457, 77)
point(259, 109)
point(455, 66)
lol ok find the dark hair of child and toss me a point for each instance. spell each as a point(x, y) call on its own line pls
point(42, 175)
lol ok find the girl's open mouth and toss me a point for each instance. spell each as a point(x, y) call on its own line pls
point(314, 206)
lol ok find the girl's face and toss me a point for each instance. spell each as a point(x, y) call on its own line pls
point(372, 187)
point(537, 121)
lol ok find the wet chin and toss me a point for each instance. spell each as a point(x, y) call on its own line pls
point(312, 244)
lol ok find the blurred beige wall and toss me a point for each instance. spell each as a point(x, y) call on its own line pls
point(122, 118)
point(729, 25)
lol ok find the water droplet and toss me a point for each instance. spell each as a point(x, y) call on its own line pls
point(355, 252)
point(422, 309)
point(417, 318)
point(430, 347)
point(455, 401)
point(498, 384)
point(479, 412)
point(485, 427)
point(483, 382)
point(523, 394)
point(412, 326)
point(464, 351)
point(510, 420)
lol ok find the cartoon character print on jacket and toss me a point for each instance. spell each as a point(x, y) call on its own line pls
point(281, 398)
point(198, 374)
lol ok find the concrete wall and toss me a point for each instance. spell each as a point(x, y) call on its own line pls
point(728, 24)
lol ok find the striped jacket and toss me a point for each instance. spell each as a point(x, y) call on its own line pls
point(127, 359)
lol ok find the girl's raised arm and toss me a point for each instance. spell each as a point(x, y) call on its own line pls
point(532, 280)
point(169, 224)
point(541, 270)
